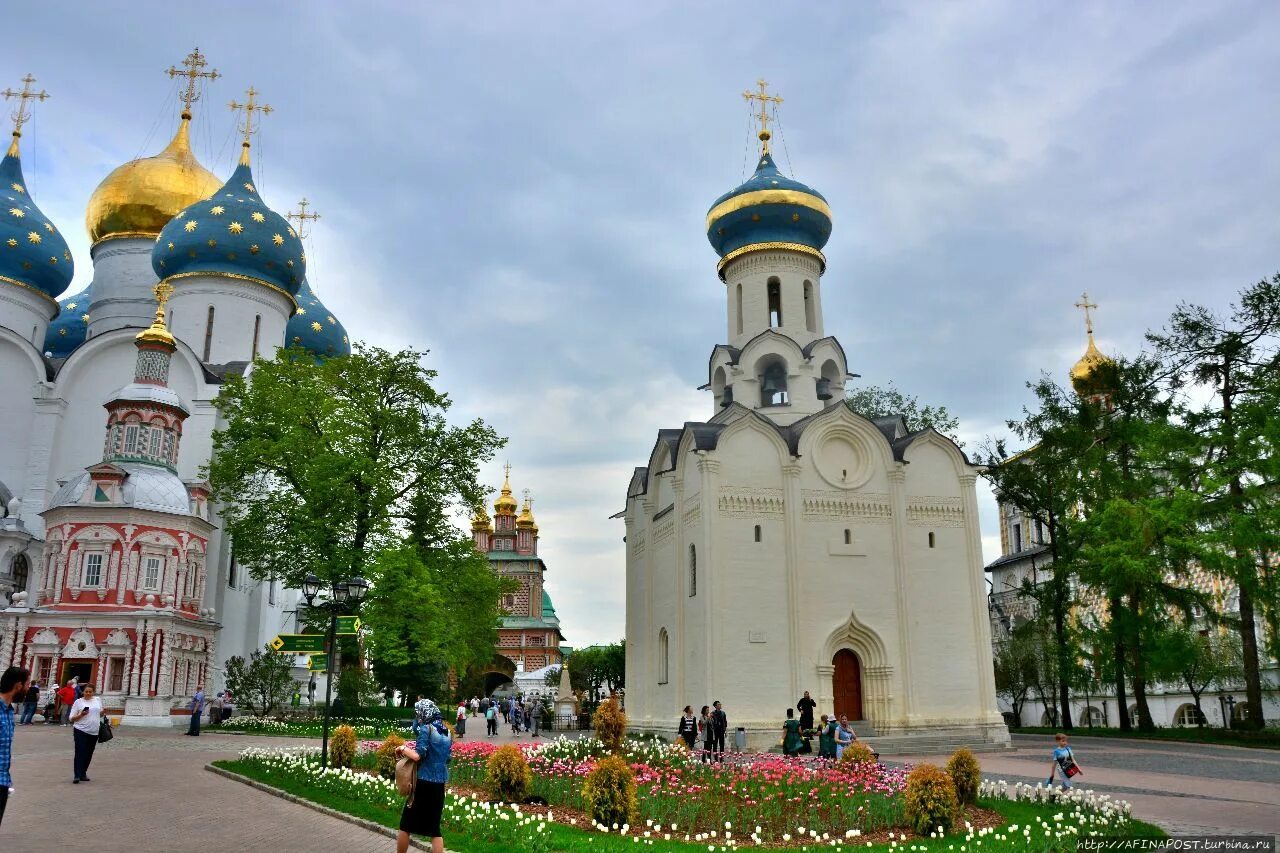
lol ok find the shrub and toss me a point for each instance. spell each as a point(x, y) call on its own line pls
point(610, 723)
point(929, 800)
point(387, 756)
point(342, 746)
point(966, 775)
point(858, 753)
point(507, 774)
point(610, 792)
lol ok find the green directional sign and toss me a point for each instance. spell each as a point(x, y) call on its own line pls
point(318, 663)
point(298, 643)
point(348, 625)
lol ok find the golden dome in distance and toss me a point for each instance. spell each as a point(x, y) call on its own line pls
point(139, 198)
point(505, 504)
point(526, 512)
point(1092, 374)
point(480, 521)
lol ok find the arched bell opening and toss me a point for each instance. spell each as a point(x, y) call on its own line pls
point(773, 382)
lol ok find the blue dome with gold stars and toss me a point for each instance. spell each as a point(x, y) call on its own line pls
point(32, 252)
point(232, 233)
point(67, 331)
point(769, 210)
point(314, 327)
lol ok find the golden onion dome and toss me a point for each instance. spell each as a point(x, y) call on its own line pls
point(526, 515)
point(480, 521)
point(506, 504)
point(1094, 372)
point(139, 198)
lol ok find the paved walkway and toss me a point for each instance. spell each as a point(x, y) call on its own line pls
point(1185, 788)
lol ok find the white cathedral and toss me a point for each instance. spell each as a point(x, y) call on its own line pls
point(787, 544)
point(113, 566)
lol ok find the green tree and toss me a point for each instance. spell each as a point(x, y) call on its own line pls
point(874, 401)
point(263, 683)
point(1015, 663)
point(1235, 356)
point(1198, 660)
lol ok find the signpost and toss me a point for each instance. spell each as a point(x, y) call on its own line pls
point(318, 663)
point(348, 625)
point(299, 643)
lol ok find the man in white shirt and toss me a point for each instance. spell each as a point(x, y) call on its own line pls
point(86, 718)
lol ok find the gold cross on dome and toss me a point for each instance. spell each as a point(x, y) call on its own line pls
point(506, 469)
point(765, 100)
point(250, 107)
point(194, 62)
point(20, 115)
point(302, 218)
point(1085, 305)
point(163, 291)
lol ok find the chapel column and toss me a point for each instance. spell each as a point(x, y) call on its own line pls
point(902, 579)
point(792, 506)
point(978, 599)
point(710, 497)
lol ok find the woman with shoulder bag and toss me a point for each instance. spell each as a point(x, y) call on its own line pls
point(432, 750)
point(86, 725)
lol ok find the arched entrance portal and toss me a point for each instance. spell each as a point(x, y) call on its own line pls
point(499, 674)
point(847, 684)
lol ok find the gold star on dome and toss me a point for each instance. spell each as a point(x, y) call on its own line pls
point(332, 322)
point(257, 217)
point(293, 234)
point(289, 262)
point(84, 317)
point(300, 310)
point(231, 256)
point(170, 245)
point(213, 244)
point(66, 254)
point(235, 227)
point(33, 237)
point(12, 242)
point(277, 239)
point(217, 210)
point(62, 332)
point(16, 211)
point(250, 188)
point(18, 188)
point(316, 327)
point(304, 257)
point(297, 340)
point(49, 227)
point(53, 259)
point(190, 226)
point(344, 340)
point(71, 306)
point(253, 250)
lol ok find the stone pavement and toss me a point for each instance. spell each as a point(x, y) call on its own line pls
point(1184, 788)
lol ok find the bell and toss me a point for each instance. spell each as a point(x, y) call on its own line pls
point(771, 385)
point(824, 389)
point(726, 400)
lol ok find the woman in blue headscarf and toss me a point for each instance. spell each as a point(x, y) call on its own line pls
point(421, 815)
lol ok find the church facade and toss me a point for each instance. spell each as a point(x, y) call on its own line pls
point(787, 544)
point(113, 566)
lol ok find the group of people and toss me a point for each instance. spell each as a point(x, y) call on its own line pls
point(835, 734)
point(705, 733)
point(523, 714)
point(56, 707)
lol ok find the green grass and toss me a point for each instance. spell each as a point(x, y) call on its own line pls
point(573, 840)
point(1265, 739)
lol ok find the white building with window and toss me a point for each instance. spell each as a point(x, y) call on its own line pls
point(787, 544)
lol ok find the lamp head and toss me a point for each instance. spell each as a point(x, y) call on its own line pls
point(340, 592)
point(356, 589)
point(310, 587)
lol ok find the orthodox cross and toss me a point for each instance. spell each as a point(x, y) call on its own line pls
point(765, 100)
point(506, 469)
point(194, 62)
point(302, 218)
point(1085, 305)
point(20, 115)
point(250, 107)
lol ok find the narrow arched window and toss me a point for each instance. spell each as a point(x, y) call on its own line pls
point(774, 291)
point(848, 537)
point(758, 533)
point(208, 335)
point(932, 540)
point(257, 328)
point(18, 570)
point(810, 311)
point(663, 647)
point(693, 571)
point(739, 303)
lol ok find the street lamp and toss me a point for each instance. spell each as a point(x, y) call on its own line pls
point(343, 593)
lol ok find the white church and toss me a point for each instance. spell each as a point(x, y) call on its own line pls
point(787, 544)
point(113, 566)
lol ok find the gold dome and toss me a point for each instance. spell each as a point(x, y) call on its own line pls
point(1093, 372)
point(480, 521)
point(526, 515)
point(139, 198)
point(505, 504)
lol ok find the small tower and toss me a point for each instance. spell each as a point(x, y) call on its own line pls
point(1094, 376)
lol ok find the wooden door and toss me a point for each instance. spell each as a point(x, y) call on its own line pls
point(848, 684)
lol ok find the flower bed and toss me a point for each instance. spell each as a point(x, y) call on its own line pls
point(307, 728)
point(767, 801)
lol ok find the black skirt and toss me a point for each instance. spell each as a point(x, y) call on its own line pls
point(422, 817)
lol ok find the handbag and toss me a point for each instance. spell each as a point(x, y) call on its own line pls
point(406, 777)
point(1071, 768)
point(104, 731)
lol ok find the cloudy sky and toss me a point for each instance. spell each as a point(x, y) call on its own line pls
point(520, 188)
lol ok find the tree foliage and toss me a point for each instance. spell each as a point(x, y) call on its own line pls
point(262, 684)
point(874, 401)
point(595, 671)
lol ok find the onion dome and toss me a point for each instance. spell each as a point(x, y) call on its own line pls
point(769, 211)
point(526, 516)
point(1094, 373)
point(480, 521)
point(32, 252)
point(548, 609)
point(314, 328)
point(139, 198)
point(68, 329)
point(505, 504)
point(232, 233)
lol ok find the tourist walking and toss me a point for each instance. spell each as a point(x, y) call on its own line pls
point(537, 716)
point(720, 727)
point(86, 722)
point(1064, 762)
point(13, 684)
point(460, 719)
point(66, 696)
point(197, 708)
point(687, 728)
point(827, 738)
point(514, 715)
point(505, 710)
point(844, 735)
point(706, 729)
point(30, 700)
point(432, 750)
point(491, 721)
point(791, 734)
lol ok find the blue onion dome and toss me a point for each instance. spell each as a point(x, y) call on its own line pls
point(769, 210)
point(32, 252)
point(67, 331)
point(232, 233)
point(314, 327)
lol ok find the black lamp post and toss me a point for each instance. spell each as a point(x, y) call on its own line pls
point(343, 593)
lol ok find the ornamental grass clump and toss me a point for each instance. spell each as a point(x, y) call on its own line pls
point(342, 746)
point(858, 753)
point(966, 775)
point(610, 792)
point(387, 756)
point(929, 800)
point(610, 723)
point(507, 774)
